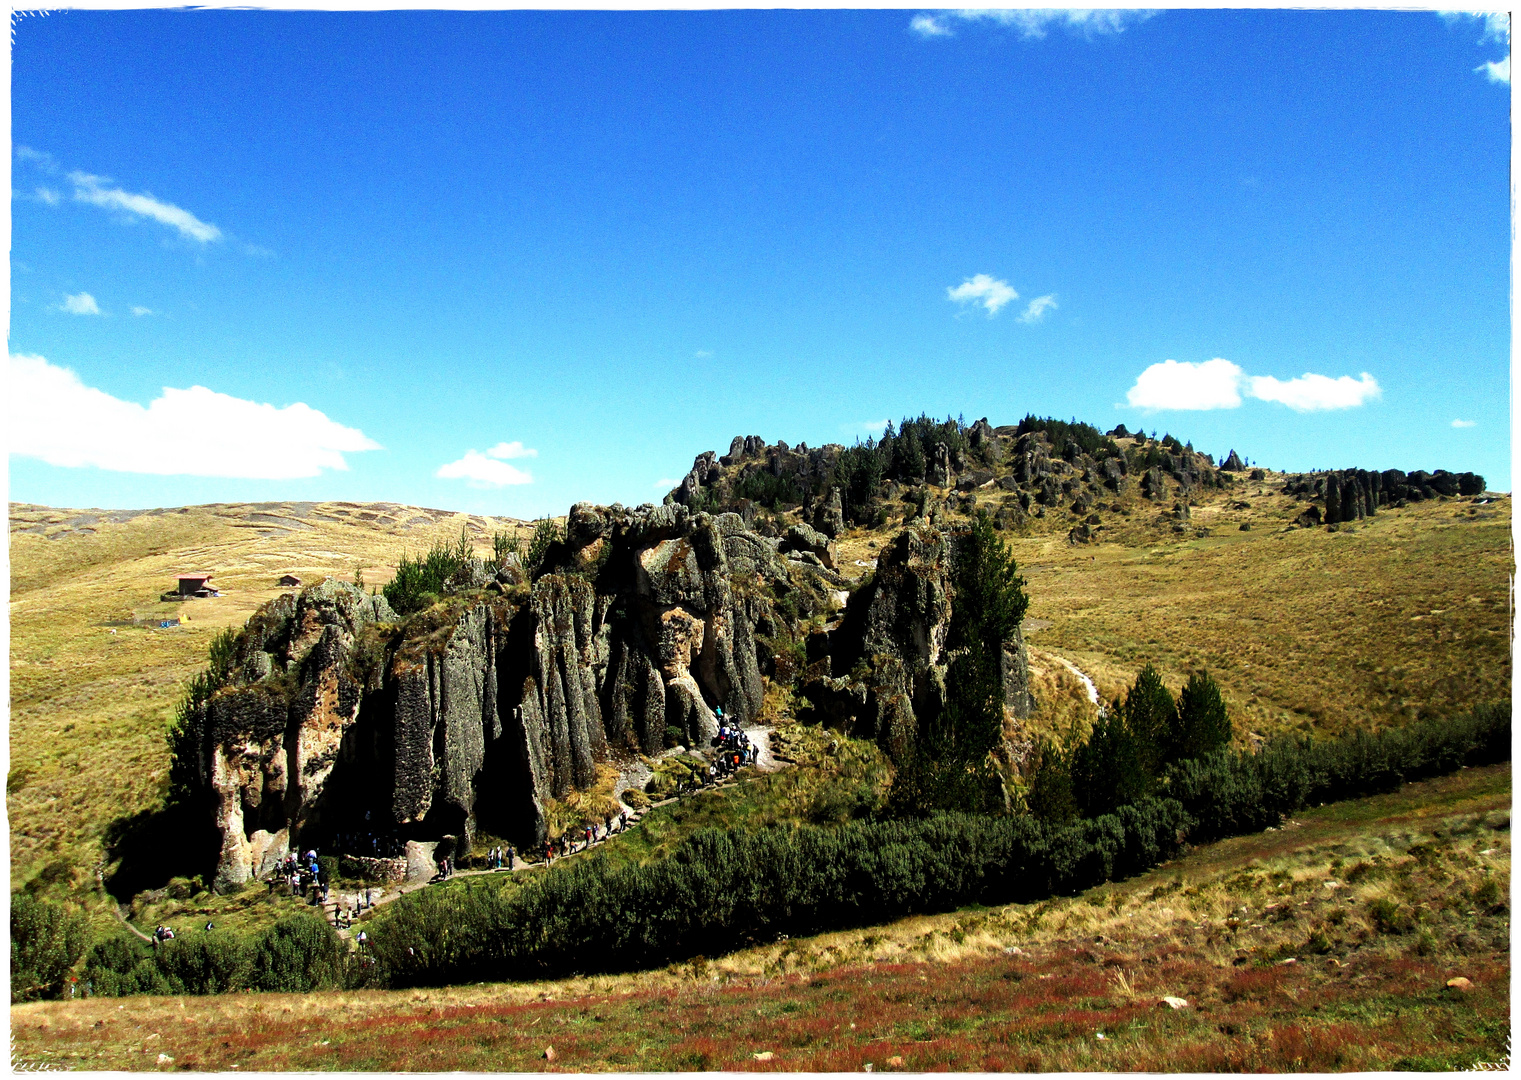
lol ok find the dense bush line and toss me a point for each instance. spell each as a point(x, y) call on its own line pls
point(722, 890)
point(1227, 794)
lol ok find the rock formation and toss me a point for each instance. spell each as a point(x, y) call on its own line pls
point(1353, 494)
point(340, 719)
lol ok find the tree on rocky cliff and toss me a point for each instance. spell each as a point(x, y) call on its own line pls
point(950, 768)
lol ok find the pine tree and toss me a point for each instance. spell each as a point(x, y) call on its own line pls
point(1203, 725)
point(1151, 718)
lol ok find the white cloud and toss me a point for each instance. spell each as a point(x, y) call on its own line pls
point(91, 189)
point(702, 354)
point(483, 472)
point(1220, 384)
point(44, 160)
point(929, 26)
point(985, 290)
point(506, 450)
point(1037, 309)
point(1464, 423)
point(49, 196)
point(138, 309)
point(1035, 22)
point(1496, 24)
point(1214, 384)
point(664, 484)
point(194, 432)
point(1497, 71)
point(80, 304)
point(1315, 393)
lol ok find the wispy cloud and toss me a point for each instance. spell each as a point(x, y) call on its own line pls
point(1494, 28)
point(1033, 22)
point(508, 450)
point(138, 309)
point(1464, 423)
point(80, 304)
point(49, 196)
point(45, 161)
point(930, 26)
point(489, 470)
point(56, 418)
point(702, 354)
point(983, 289)
point(1036, 311)
point(93, 190)
point(665, 483)
point(1496, 71)
point(1220, 384)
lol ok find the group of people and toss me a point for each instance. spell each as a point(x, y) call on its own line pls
point(162, 934)
point(501, 858)
point(586, 836)
point(735, 751)
point(301, 873)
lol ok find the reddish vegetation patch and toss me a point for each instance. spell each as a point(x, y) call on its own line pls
point(1007, 1013)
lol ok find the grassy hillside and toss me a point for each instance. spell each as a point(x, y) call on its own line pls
point(1327, 945)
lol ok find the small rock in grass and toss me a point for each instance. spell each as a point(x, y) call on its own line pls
point(1013, 950)
point(895, 1062)
point(1459, 983)
point(1101, 1035)
point(764, 1055)
point(868, 1067)
point(1290, 960)
point(1174, 1002)
point(164, 1059)
point(549, 1053)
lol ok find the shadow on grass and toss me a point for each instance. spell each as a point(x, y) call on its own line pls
point(147, 849)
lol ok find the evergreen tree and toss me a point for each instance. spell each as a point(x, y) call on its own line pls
point(1151, 716)
point(949, 767)
point(1203, 725)
point(1107, 771)
point(1050, 797)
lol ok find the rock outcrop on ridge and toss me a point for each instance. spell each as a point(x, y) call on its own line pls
point(343, 727)
point(1353, 494)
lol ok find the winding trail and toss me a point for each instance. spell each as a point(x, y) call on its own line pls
point(1093, 694)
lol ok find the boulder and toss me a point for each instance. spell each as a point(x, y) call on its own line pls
point(829, 517)
point(939, 470)
point(1232, 463)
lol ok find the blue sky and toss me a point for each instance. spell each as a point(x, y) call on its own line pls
point(504, 261)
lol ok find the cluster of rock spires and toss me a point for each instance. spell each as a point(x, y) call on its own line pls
point(1353, 494)
point(1015, 472)
point(339, 719)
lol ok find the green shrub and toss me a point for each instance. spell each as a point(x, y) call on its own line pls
point(420, 582)
point(297, 955)
point(47, 940)
point(123, 965)
point(545, 534)
point(208, 962)
point(1202, 723)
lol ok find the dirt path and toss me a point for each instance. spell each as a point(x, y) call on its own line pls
point(1093, 694)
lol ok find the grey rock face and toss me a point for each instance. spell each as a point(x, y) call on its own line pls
point(1233, 463)
point(339, 720)
point(940, 471)
point(829, 519)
